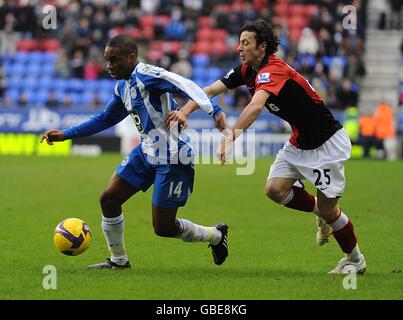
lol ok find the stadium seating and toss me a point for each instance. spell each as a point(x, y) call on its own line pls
point(32, 68)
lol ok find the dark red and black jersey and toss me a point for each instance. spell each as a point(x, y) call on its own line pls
point(292, 99)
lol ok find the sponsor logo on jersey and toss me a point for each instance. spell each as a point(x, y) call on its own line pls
point(229, 73)
point(273, 107)
point(133, 93)
point(148, 68)
point(264, 77)
point(137, 120)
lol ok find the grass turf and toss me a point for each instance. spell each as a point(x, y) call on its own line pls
point(273, 254)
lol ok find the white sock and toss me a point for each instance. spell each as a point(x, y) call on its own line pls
point(355, 255)
point(191, 232)
point(288, 197)
point(340, 222)
point(113, 231)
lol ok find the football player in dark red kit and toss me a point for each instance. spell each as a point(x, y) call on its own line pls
point(316, 150)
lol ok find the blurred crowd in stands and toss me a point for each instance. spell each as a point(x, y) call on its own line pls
point(197, 39)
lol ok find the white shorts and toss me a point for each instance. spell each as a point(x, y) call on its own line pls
point(323, 166)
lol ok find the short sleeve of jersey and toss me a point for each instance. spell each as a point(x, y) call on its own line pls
point(272, 78)
point(233, 78)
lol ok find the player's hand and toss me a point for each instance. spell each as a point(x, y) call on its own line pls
point(221, 121)
point(176, 117)
point(224, 150)
point(52, 136)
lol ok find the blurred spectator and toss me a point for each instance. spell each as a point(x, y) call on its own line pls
point(395, 18)
point(27, 21)
point(336, 67)
point(320, 88)
point(62, 66)
point(3, 81)
point(67, 36)
point(182, 67)
point(354, 67)
point(22, 99)
point(66, 101)
point(149, 6)
point(77, 64)
point(6, 102)
point(353, 43)
point(306, 67)
point(322, 21)
point(85, 26)
point(367, 132)
point(176, 29)
point(91, 70)
point(351, 124)
point(94, 65)
point(385, 131)
point(346, 95)
point(308, 42)
point(382, 21)
point(82, 42)
point(193, 6)
point(338, 35)
point(95, 101)
point(117, 15)
point(331, 99)
point(327, 47)
point(52, 101)
point(8, 35)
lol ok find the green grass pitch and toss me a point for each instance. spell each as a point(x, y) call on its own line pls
point(273, 254)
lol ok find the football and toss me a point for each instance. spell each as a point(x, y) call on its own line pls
point(72, 236)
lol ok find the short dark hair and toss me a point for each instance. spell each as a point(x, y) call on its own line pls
point(124, 42)
point(264, 33)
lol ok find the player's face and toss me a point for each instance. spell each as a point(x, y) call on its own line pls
point(249, 52)
point(119, 65)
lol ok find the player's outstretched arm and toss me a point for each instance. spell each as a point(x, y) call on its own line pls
point(52, 136)
point(113, 113)
point(245, 120)
point(181, 115)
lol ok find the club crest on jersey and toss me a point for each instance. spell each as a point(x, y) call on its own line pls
point(229, 73)
point(264, 77)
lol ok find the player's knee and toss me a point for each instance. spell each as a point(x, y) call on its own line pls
point(328, 211)
point(108, 200)
point(329, 214)
point(275, 193)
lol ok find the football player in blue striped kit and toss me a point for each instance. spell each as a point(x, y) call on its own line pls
point(145, 92)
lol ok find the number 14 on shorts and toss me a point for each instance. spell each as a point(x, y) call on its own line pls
point(175, 189)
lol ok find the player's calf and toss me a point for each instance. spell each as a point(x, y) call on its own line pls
point(168, 231)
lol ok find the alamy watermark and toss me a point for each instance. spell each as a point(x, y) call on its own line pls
point(49, 20)
point(350, 20)
point(207, 146)
point(50, 279)
point(350, 280)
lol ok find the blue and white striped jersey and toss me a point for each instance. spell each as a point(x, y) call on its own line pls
point(148, 97)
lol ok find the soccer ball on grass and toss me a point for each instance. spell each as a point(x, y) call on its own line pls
point(72, 236)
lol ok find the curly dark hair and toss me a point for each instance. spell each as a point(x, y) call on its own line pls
point(263, 33)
